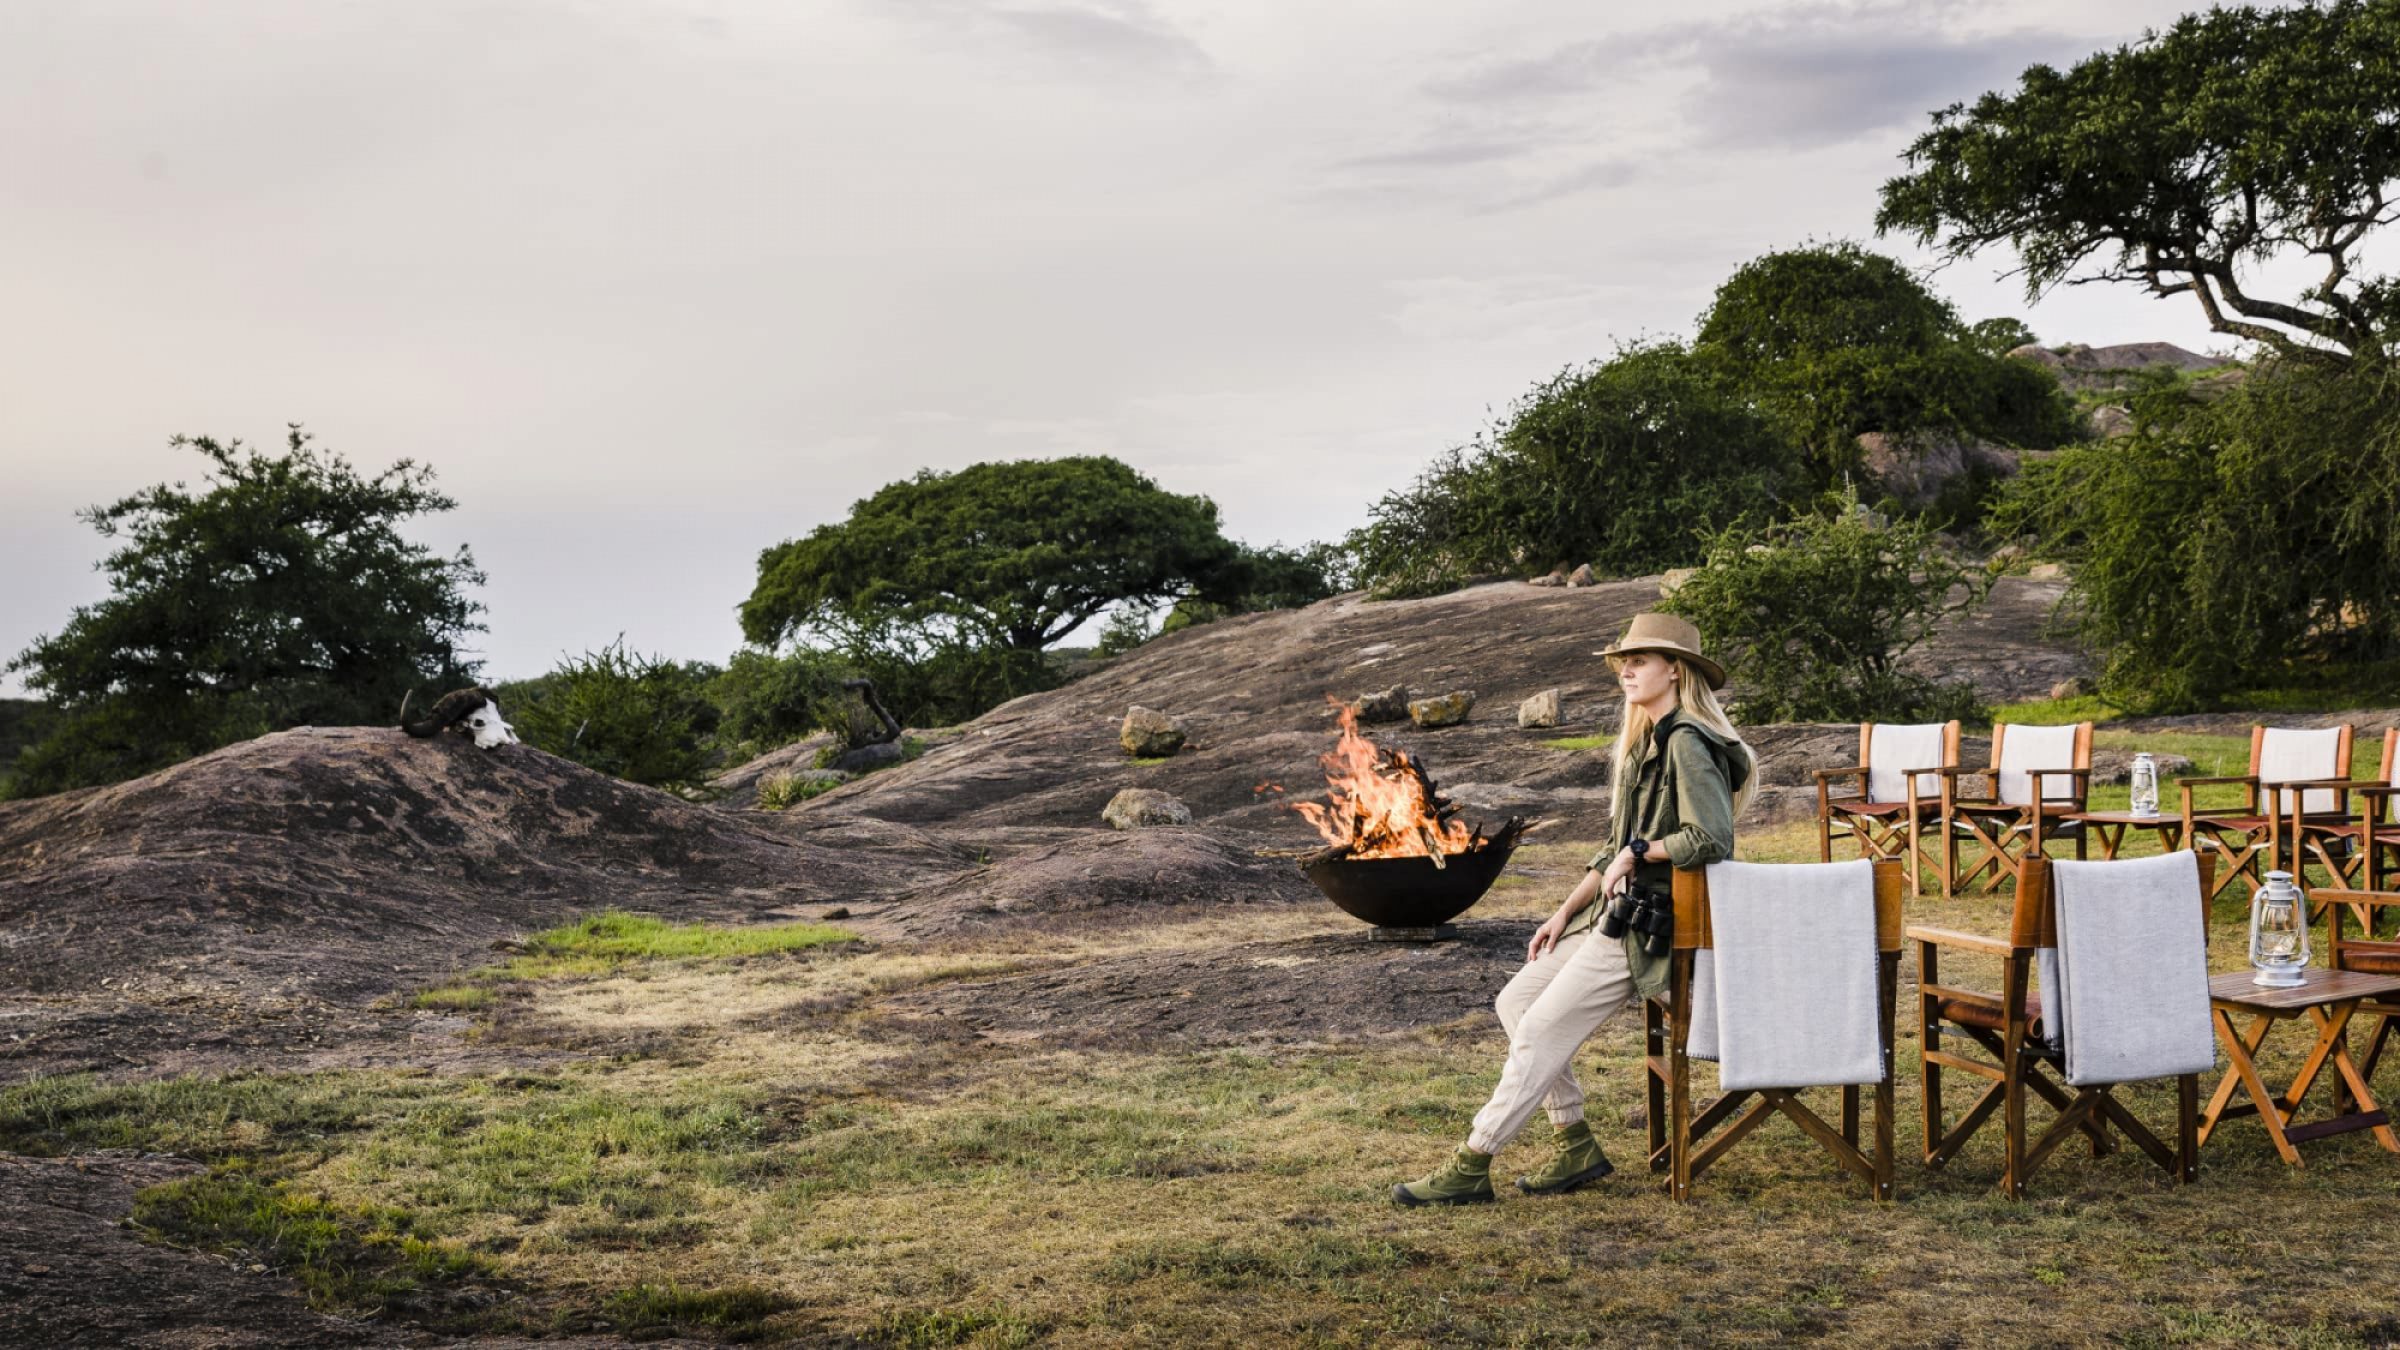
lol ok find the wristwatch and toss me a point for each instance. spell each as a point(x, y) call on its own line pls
point(1640, 847)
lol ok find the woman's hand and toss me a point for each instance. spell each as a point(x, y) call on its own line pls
point(1619, 868)
point(1546, 936)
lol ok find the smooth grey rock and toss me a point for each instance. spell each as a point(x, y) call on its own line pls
point(1136, 808)
point(1542, 710)
point(1150, 734)
point(1443, 710)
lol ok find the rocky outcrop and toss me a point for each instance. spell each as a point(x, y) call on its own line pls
point(1917, 469)
point(1384, 705)
point(2081, 368)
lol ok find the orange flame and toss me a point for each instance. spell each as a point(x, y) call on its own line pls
point(1378, 803)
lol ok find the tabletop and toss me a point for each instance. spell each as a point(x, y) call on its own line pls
point(2322, 987)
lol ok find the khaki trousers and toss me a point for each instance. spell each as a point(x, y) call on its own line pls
point(1549, 1008)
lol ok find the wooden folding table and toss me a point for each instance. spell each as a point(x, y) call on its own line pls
point(2327, 998)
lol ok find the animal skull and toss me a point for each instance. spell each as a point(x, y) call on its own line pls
point(486, 726)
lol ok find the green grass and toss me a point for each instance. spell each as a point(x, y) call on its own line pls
point(347, 1257)
point(454, 997)
point(1593, 742)
point(2053, 712)
point(737, 1313)
point(605, 942)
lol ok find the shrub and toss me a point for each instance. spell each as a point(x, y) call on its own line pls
point(1628, 465)
point(641, 718)
point(1812, 616)
point(764, 700)
point(2249, 540)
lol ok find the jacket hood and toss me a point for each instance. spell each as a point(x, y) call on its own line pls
point(1729, 751)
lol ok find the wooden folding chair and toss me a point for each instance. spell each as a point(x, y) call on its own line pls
point(2037, 775)
point(1897, 803)
point(2356, 848)
point(2369, 954)
point(2007, 1027)
point(2250, 839)
point(1680, 1142)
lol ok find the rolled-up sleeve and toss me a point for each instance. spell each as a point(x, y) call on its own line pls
point(1703, 806)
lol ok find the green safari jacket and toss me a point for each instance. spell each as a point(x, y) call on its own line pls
point(1681, 800)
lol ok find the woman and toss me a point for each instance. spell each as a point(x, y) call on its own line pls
point(1682, 775)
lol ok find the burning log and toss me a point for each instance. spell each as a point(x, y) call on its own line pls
point(1380, 803)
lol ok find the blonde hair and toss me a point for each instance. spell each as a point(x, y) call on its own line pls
point(1698, 703)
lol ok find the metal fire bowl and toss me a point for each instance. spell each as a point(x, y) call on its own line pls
point(1410, 892)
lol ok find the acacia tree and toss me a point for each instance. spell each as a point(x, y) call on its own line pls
point(1012, 555)
point(280, 593)
point(2181, 163)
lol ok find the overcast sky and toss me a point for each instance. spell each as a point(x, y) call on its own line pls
point(656, 285)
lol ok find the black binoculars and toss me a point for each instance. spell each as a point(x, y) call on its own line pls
point(1645, 911)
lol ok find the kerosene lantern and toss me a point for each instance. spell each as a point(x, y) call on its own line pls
point(2279, 933)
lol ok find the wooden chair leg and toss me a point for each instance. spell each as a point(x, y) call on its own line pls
point(2187, 1128)
point(1929, 1038)
point(2012, 1122)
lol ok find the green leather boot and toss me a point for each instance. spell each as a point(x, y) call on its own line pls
point(1464, 1180)
point(1576, 1160)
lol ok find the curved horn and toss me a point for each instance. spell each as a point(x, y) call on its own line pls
point(449, 712)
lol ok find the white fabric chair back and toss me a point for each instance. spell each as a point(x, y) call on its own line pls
point(1893, 750)
point(2131, 1000)
point(2024, 748)
point(1795, 977)
point(2289, 754)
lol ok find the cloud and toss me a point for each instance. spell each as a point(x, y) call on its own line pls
point(1795, 79)
point(1104, 37)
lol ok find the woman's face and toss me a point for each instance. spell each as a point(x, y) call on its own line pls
point(1646, 677)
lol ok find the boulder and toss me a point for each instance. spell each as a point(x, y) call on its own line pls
point(1150, 734)
point(1918, 468)
point(2046, 572)
point(2108, 421)
point(2077, 686)
point(1542, 710)
point(1673, 580)
point(1582, 576)
point(1137, 808)
point(1389, 705)
point(1551, 579)
point(1443, 710)
point(2116, 766)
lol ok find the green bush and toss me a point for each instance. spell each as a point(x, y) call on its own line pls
point(1628, 465)
point(1811, 616)
point(1836, 341)
point(2250, 540)
point(642, 718)
point(764, 700)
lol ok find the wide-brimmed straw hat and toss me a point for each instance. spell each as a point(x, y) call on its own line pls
point(1667, 634)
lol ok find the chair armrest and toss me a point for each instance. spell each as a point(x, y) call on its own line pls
point(2331, 784)
point(2248, 780)
point(1851, 772)
point(1973, 942)
point(2363, 899)
point(2041, 787)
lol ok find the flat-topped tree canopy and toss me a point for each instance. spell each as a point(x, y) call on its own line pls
point(2183, 161)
